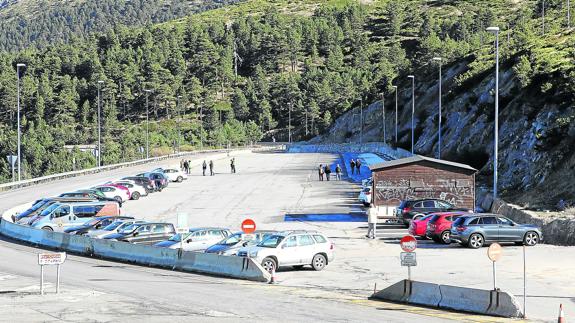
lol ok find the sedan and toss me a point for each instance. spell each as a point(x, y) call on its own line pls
point(198, 239)
point(95, 224)
point(113, 227)
point(136, 190)
point(230, 245)
point(116, 193)
point(173, 174)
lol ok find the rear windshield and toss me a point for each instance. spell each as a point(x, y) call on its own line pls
point(458, 221)
point(434, 218)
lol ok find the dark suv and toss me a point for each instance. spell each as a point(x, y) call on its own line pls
point(409, 210)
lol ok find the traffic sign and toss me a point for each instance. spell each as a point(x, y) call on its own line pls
point(494, 252)
point(56, 258)
point(408, 243)
point(12, 159)
point(408, 259)
point(248, 226)
point(182, 230)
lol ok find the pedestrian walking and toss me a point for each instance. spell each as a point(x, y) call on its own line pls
point(186, 167)
point(371, 222)
point(233, 165)
point(352, 165)
point(327, 172)
point(204, 166)
point(358, 166)
point(212, 168)
point(338, 172)
point(189, 167)
point(320, 172)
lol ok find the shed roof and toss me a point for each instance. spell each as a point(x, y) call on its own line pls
point(416, 159)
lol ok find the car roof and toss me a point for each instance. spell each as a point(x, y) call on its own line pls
point(481, 215)
point(429, 199)
point(289, 232)
point(207, 228)
point(117, 217)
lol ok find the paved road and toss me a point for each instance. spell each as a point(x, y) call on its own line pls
point(266, 187)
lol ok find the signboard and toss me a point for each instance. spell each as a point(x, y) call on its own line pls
point(12, 159)
point(408, 259)
point(248, 237)
point(56, 258)
point(182, 230)
point(248, 226)
point(408, 243)
point(494, 252)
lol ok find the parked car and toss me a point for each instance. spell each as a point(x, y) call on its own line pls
point(418, 227)
point(144, 233)
point(113, 227)
point(292, 248)
point(122, 187)
point(173, 174)
point(365, 196)
point(368, 182)
point(42, 204)
point(92, 194)
point(476, 230)
point(136, 190)
point(147, 183)
point(198, 239)
point(62, 215)
point(118, 194)
point(94, 224)
point(160, 180)
point(230, 245)
point(439, 226)
point(409, 210)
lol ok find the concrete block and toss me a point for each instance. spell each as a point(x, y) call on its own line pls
point(464, 299)
point(504, 304)
point(398, 292)
point(422, 293)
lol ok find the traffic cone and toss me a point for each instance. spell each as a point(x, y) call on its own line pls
point(561, 318)
point(273, 279)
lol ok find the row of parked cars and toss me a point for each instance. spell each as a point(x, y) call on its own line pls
point(96, 212)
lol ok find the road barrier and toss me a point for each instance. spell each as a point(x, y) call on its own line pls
point(488, 302)
point(225, 266)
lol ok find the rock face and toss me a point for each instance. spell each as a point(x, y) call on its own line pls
point(536, 130)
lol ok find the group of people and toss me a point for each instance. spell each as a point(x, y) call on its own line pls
point(211, 165)
point(355, 166)
point(185, 166)
point(326, 170)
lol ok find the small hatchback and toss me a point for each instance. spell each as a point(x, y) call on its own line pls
point(439, 226)
point(418, 227)
point(292, 248)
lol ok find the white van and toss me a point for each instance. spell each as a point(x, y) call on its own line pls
point(65, 215)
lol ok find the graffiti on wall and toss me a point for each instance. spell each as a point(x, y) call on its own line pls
point(452, 191)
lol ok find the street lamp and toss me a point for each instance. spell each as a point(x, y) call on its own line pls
point(289, 123)
point(568, 14)
point(438, 59)
point(18, 116)
point(383, 114)
point(99, 127)
point(395, 87)
point(147, 124)
point(179, 120)
point(542, 16)
point(495, 30)
point(412, 77)
point(361, 120)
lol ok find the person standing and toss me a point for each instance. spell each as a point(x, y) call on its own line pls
point(211, 168)
point(189, 167)
point(186, 167)
point(358, 166)
point(320, 172)
point(327, 172)
point(182, 165)
point(371, 222)
point(233, 165)
point(204, 166)
point(338, 172)
point(352, 164)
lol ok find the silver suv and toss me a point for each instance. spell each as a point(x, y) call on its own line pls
point(292, 248)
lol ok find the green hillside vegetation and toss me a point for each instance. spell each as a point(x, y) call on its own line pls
point(313, 60)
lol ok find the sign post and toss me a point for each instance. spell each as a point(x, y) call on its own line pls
point(47, 259)
point(408, 257)
point(12, 159)
point(182, 227)
point(494, 253)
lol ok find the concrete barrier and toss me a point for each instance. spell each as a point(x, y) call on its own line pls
point(226, 266)
point(398, 292)
point(427, 294)
point(464, 299)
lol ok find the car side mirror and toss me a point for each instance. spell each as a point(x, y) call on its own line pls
point(512, 224)
point(189, 240)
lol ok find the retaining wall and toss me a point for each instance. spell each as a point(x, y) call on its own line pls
point(370, 147)
point(225, 266)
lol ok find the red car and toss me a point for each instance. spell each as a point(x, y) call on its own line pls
point(439, 226)
point(419, 226)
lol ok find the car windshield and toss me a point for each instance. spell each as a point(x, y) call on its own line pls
point(231, 240)
point(178, 237)
point(49, 209)
point(271, 242)
point(129, 228)
point(114, 225)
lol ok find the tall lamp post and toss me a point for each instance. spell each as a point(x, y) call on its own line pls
point(495, 30)
point(18, 116)
point(289, 123)
point(542, 16)
point(147, 124)
point(179, 120)
point(412, 77)
point(99, 126)
point(395, 87)
point(383, 115)
point(438, 59)
point(361, 120)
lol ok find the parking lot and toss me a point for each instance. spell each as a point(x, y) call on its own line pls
point(267, 186)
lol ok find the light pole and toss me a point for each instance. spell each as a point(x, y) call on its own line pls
point(438, 59)
point(395, 87)
point(289, 123)
point(18, 116)
point(495, 30)
point(542, 15)
point(361, 120)
point(179, 120)
point(147, 124)
point(568, 14)
point(383, 115)
point(412, 77)
point(99, 126)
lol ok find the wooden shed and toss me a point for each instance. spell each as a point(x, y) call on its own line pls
point(420, 177)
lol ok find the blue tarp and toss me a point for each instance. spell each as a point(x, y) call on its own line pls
point(329, 217)
point(366, 160)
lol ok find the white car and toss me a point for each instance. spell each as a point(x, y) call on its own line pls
point(136, 190)
point(113, 227)
point(118, 194)
point(173, 174)
point(292, 248)
point(365, 196)
point(367, 182)
point(198, 239)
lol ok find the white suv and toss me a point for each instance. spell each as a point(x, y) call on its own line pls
point(292, 248)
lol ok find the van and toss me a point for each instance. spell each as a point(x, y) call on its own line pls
point(42, 204)
point(60, 216)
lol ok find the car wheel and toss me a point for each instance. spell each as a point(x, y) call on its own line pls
point(135, 195)
point(118, 199)
point(179, 179)
point(475, 241)
point(318, 262)
point(531, 238)
point(446, 237)
point(298, 267)
point(47, 229)
point(269, 264)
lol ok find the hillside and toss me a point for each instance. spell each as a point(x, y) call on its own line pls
point(44, 22)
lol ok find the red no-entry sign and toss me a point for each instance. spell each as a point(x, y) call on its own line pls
point(408, 243)
point(248, 226)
